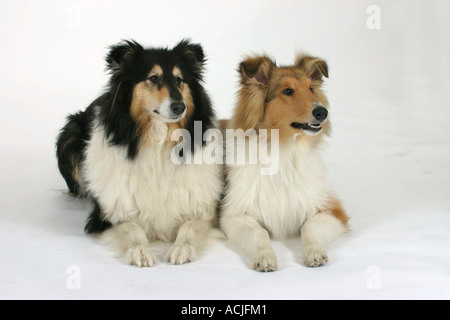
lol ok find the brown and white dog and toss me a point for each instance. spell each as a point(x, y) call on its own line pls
point(295, 199)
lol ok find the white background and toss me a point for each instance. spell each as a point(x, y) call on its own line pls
point(388, 159)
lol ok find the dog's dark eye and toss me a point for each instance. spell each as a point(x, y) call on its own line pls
point(179, 81)
point(288, 92)
point(154, 79)
point(311, 89)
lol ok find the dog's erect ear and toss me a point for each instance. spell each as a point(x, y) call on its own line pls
point(315, 68)
point(192, 54)
point(122, 52)
point(256, 70)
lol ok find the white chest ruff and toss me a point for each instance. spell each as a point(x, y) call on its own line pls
point(283, 201)
point(150, 189)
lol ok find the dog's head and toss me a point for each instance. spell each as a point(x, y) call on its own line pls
point(154, 84)
point(287, 98)
point(160, 78)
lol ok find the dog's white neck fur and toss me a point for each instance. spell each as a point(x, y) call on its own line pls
point(158, 130)
point(283, 201)
point(295, 199)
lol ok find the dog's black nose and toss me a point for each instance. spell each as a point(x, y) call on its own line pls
point(177, 107)
point(320, 113)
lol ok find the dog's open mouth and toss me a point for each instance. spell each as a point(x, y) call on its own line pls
point(312, 127)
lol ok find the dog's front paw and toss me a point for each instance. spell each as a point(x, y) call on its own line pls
point(315, 258)
point(141, 256)
point(265, 261)
point(180, 254)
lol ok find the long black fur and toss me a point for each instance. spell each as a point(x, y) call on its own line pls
point(128, 64)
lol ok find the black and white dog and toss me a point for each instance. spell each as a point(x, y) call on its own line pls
point(118, 153)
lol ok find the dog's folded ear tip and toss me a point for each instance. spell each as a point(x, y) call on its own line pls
point(121, 51)
point(194, 50)
point(256, 68)
point(314, 67)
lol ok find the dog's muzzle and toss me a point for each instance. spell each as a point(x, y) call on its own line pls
point(319, 116)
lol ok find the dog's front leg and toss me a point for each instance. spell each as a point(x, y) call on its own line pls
point(188, 239)
point(317, 233)
point(132, 242)
point(247, 233)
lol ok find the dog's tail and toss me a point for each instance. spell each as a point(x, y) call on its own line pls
point(70, 145)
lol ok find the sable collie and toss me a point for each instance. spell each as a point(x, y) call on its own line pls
point(118, 153)
point(294, 200)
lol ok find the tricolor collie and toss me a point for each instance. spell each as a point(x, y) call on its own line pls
point(289, 104)
point(118, 153)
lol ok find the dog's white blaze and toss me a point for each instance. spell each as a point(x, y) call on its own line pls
point(166, 114)
point(150, 190)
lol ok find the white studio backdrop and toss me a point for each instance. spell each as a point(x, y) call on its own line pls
point(53, 51)
point(388, 158)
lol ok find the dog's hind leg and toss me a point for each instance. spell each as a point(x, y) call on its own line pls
point(70, 145)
